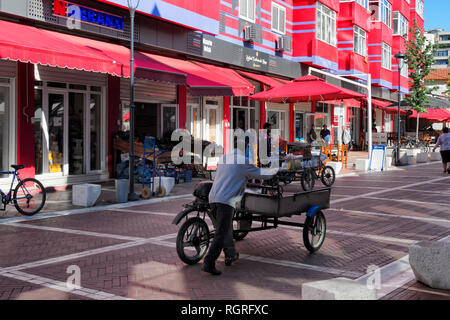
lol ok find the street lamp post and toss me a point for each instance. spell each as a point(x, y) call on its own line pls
point(132, 196)
point(400, 57)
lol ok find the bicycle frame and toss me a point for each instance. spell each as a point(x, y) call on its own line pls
point(7, 197)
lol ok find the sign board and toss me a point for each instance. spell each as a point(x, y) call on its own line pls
point(73, 11)
point(377, 158)
point(211, 163)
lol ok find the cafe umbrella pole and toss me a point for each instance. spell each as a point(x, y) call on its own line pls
point(400, 57)
point(132, 196)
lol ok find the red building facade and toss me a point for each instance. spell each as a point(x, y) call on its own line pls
point(224, 49)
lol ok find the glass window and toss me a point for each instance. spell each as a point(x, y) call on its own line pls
point(278, 121)
point(400, 25)
point(4, 128)
point(326, 24)
point(386, 57)
point(56, 132)
point(278, 18)
point(360, 39)
point(76, 133)
point(38, 121)
point(420, 7)
point(169, 120)
point(247, 9)
point(95, 129)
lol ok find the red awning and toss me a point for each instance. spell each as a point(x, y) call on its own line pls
point(380, 103)
point(271, 82)
point(207, 80)
point(353, 103)
point(437, 115)
point(306, 89)
point(50, 48)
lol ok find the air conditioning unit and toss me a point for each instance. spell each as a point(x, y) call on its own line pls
point(249, 34)
point(280, 44)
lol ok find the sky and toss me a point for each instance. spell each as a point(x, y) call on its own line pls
point(437, 14)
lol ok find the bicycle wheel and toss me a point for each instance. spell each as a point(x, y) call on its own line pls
point(328, 176)
point(308, 180)
point(314, 232)
point(193, 240)
point(29, 197)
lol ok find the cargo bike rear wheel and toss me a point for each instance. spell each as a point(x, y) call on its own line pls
point(314, 231)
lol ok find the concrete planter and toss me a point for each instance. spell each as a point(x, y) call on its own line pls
point(422, 157)
point(362, 164)
point(403, 157)
point(337, 289)
point(85, 195)
point(430, 262)
point(435, 156)
point(337, 166)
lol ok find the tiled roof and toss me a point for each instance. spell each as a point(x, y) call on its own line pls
point(439, 74)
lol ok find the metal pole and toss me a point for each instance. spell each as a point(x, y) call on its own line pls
point(369, 116)
point(399, 114)
point(132, 196)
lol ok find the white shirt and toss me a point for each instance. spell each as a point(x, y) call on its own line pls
point(444, 142)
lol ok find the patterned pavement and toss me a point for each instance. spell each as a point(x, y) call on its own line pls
point(128, 251)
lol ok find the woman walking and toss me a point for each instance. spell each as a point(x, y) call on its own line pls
point(444, 142)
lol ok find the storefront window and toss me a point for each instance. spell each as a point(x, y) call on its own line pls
point(38, 126)
point(76, 133)
point(299, 125)
point(95, 108)
point(4, 128)
point(278, 121)
point(169, 120)
point(67, 130)
point(56, 132)
point(243, 113)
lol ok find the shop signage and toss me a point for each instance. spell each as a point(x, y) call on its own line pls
point(255, 60)
point(70, 10)
point(377, 158)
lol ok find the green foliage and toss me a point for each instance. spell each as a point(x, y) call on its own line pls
point(420, 58)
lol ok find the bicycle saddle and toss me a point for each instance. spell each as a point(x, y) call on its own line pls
point(17, 166)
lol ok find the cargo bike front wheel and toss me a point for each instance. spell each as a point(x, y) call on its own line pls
point(193, 240)
point(314, 231)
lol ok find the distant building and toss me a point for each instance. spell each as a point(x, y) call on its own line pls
point(438, 78)
point(442, 39)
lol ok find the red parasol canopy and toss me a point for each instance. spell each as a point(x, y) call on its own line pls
point(437, 115)
point(306, 89)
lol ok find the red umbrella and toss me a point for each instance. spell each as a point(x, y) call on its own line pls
point(305, 89)
point(438, 115)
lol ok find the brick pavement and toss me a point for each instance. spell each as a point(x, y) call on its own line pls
point(130, 251)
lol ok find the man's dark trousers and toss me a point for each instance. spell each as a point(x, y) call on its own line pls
point(223, 237)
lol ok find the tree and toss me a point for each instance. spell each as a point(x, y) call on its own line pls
point(420, 58)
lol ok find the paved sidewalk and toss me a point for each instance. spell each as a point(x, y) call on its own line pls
point(127, 251)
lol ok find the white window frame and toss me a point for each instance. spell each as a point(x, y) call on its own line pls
point(87, 134)
point(402, 25)
point(420, 8)
point(386, 56)
point(246, 4)
point(323, 20)
point(360, 41)
point(280, 9)
point(385, 12)
point(12, 125)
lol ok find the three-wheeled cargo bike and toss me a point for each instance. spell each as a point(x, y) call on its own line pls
point(269, 210)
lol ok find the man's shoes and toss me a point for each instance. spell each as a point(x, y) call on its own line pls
point(211, 270)
point(229, 261)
